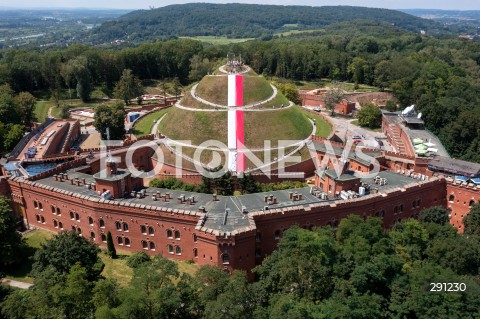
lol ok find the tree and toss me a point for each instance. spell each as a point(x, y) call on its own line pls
point(112, 117)
point(11, 243)
point(199, 67)
point(13, 136)
point(51, 73)
point(112, 252)
point(164, 86)
point(77, 69)
point(290, 91)
point(151, 293)
point(25, 103)
point(435, 214)
point(128, 87)
point(176, 87)
point(332, 97)
point(65, 250)
point(247, 184)
point(8, 111)
point(369, 116)
point(137, 259)
point(358, 68)
point(472, 221)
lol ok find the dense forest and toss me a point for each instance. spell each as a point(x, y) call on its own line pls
point(440, 76)
point(357, 271)
point(245, 21)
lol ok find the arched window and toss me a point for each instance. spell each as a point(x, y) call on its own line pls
point(59, 212)
point(258, 252)
point(90, 220)
point(401, 208)
point(451, 199)
point(195, 253)
point(472, 202)
point(40, 206)
point(53, 209)
point(72, 215)
point(104, 238)
point(118, 225)
point(170, 249)
point(120, 240)
point(258, 237)
point(42, 219)
point(414, 204)
point(225, 259)
point(152, 245)
point(125, 227)
point(73, 228)
point(35, 204)
point(60, 225)
point(92, 235)
point(79, 231)
point(419, 202)
point(169, 233)
point(395, 210)
point(177, 234)
point(55, 224)
point(127, 241)
point(144, 244)
point(278, 234)
point(77, 216)
point(38, 218)
point(151, 230)
point(143, 229)
point(102, 223)
point(195, 238)
point(178, 250)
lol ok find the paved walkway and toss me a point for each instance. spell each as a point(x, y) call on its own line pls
point(155, 126)
point(16, 284)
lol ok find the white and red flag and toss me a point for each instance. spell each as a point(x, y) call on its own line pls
point(236, 134)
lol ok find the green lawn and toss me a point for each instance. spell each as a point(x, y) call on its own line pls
point(114, 268)
point(323, 127)
point(40, 110)
point(34, 239)
point(215, 89)
point(217, 40)
point(287, 33)
point(144, 125)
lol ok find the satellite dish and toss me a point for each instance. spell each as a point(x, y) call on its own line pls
point(419, 116)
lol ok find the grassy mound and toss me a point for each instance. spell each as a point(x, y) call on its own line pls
point(286, 124)
point(215, 89)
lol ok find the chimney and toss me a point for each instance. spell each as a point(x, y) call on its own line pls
point(202, 209)
point(77, 182)
point(158, 194)
point(83, 181)
point(274, 200)
point(167, 196)
point(154, 198)
point(179, 199)
point(189, 201)
point(265, 198)
point(290, 195)
point(55, 177)
point(193, 200)
point(71, 182)
point(299, 196)
point(214, 197)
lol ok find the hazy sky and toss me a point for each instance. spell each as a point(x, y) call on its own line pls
point(144, 4)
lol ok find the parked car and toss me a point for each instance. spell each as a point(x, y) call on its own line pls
point(356, 137)
point(317, 109)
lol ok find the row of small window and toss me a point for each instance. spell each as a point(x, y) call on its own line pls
point(37, 205)
point(174, 250)
point(451, 199)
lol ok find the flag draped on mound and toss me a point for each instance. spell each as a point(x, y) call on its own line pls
point(236, 134)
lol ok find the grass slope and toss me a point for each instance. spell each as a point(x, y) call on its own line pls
point(144, 125)
point(215, 89)
point(287, 124)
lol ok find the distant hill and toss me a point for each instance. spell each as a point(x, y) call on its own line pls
point(244, 21)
